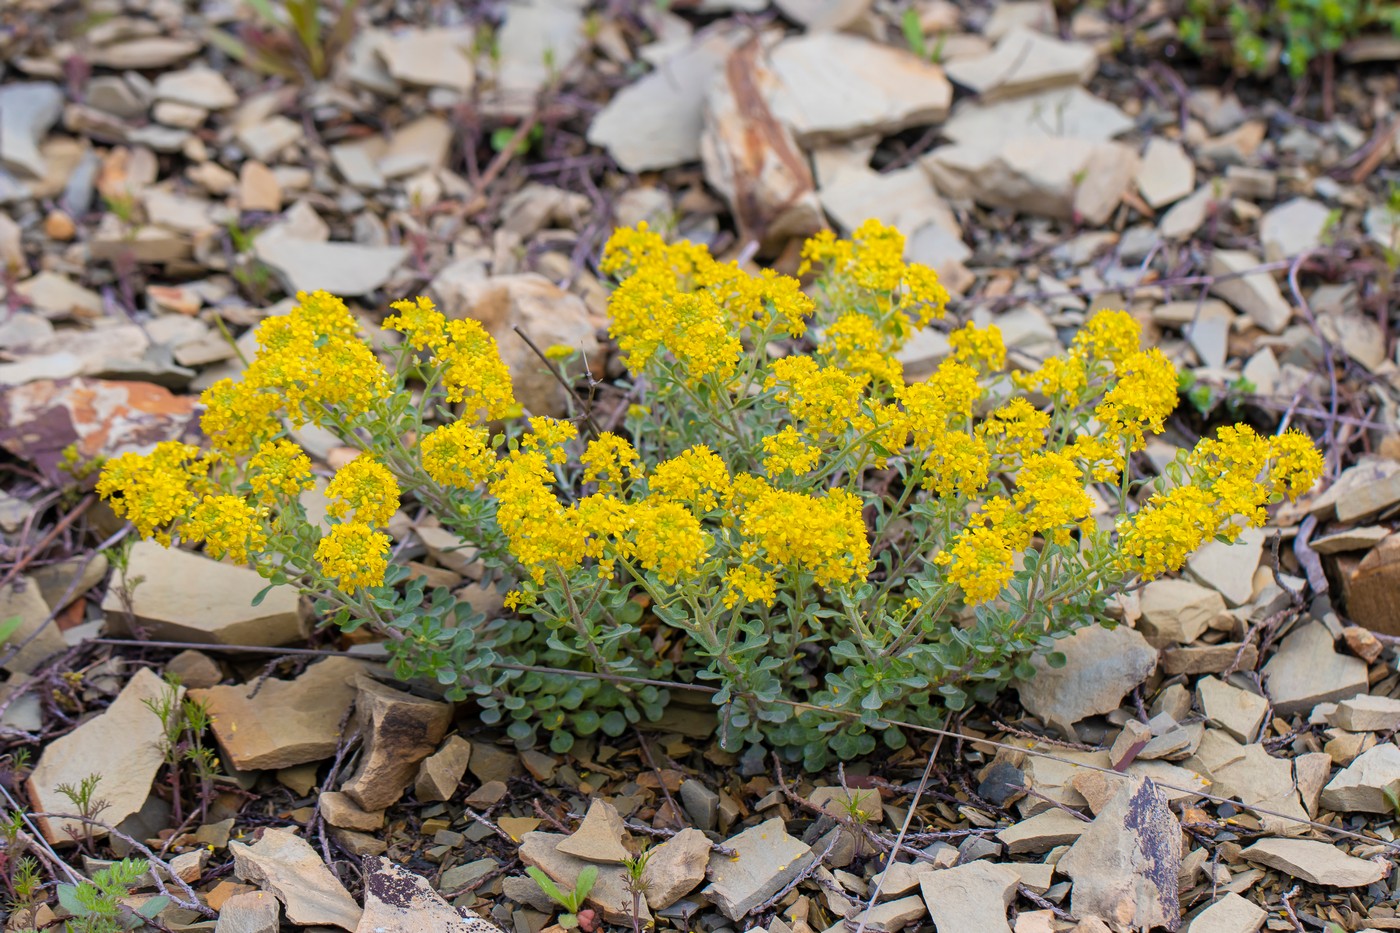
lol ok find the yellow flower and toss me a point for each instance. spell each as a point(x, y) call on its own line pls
point(550, 434)
point(1050, 493)
point(823, 535)
point(1108, 335)
point(458, 454)
point(696, 477)
point(607, 460)
point(1142, 398)
point(354, 555)
point(980, 348)
point(666, 539)
point(1297, 463)
point(941, 403)
point(747, 583)
point(152, 490)
point(787, 450)
point(827, 399)
point(238, 416)
point(279, 468)
point(315, 359)
point(982, 563)
point(420, 321)
point(855, 344)
point(228, 526)
point(540, 532)
point(1167, 529)
point(1018, 426)
point(700, 338)
point(366, 486)
point(473, 371)
point(957, 464)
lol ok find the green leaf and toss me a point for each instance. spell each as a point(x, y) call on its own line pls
point(8, 628)
point(69, 901)
point(546, 884)
point(153, 906)
point(586, 878)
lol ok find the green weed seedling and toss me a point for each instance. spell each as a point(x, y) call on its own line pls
point(96, 906)
point(571, 901)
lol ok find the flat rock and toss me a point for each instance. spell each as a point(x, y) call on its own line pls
point(766, 858)
point(656, 122)
point(431, 57)
point(1314, 862)
point(23, 599)
point(1307, 670)
point(186, 597)
point(339, 810)
point(441, 772)
point(1102, 666)
point(1352, 539)
point(833, 85)
point(968, 897)
point(1237, 711)
point(1361, 786)
point(198, 87)
point(1043, 832)
point(251, 912)
point(288, 722)
point(1293, 228)
point(1177, 611)
point(1210, 659)
point(1024, 61)
point(891, 916)
point(599, 837)
point(1061, 178)
point(537, 40)
point(1166, 174)
point(538, 307)
point(1229, 568)
point(1367, 714)
point(1230, 914)
point(145, 52)
point(1126, 864)
point(676, 867)
point(399, 730)
point(399, 901)
point(751, 158)
point(609, 893)
point(1253, 293)
point(28, 109)
point(286, 865)
point(341, 268)
point(126, 767)
point(819, 15)
point(195, 670)
point(1067, 111)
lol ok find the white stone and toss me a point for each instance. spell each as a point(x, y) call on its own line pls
point(1166, 174)
point(1367, 714)
point(1293, 228)
point(286, 865)
point(431, 57)
point(1102, 666)
point(1059, 112)
point(837, 86)
point(1230, 914)
point(1254, 293)
point(27, 110)
point(1229, 568)
point(1361, 787)
point(1307, 670)
point(1025, 61)
point(1177, 611)
point(1315, 862)
point(204, 88)
point(970, 897)
point(1237, 711)
point(341, 268)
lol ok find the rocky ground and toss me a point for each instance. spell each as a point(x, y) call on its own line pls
point(168, 177)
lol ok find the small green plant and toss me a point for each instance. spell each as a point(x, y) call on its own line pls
point(97, 906)
point(84, 798)
point(291, 39)
point(184, 722)
point(19, 872)
point(572, 900)
point(636, 868)
point(1259, 35)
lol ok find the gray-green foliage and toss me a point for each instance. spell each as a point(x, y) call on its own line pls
point(96, 906)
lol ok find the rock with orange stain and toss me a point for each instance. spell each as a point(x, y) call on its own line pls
point(38, 420)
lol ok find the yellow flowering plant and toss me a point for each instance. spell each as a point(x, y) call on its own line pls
point(778, 512)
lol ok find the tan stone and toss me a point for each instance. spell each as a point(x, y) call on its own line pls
point(399, 730)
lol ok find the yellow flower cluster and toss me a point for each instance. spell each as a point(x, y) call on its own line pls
point(153, 490)
point(1233, 477)
point(228, 526)
point(312, 365)
point(821, 534)
point(354, 555)
point(365, 486)
point(458, 455)
point(279, 468)
point(678, 300)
